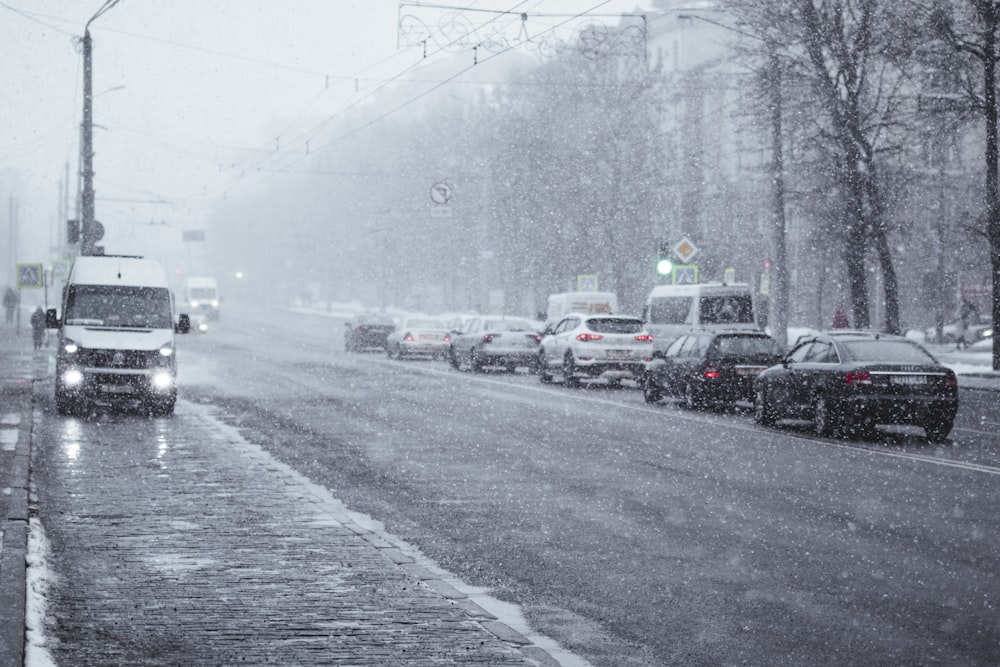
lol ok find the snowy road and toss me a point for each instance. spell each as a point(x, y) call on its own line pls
point(632, 534)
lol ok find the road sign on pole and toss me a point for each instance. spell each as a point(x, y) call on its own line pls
point(30, 276)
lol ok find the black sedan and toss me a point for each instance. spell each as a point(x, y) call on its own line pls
point(367, 331)
point(846, 384)
point(710, 368)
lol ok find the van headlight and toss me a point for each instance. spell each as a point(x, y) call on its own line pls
point(162, 380)
point(167, 350)
point(70, 346)
point(72, 378)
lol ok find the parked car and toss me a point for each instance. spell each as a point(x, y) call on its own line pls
point(710, 368)
point(579, 346)
point(978, 327)
point(421, 336)
point(846, 384)
point(367, 331)
point(495, 341)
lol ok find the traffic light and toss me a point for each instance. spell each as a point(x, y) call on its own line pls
point(72, 231)
point(663, 264)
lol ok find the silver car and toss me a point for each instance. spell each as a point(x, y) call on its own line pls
point(418, 336)
point(495, 341)
point(609, 347)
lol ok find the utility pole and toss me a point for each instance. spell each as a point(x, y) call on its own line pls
point(91, 231)
point(87, 231)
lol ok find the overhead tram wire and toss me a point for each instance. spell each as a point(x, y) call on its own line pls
point(228, 193)
point(304, 137)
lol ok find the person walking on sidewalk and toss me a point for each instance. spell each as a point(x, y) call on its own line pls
point(9, 303)
point(38, 327)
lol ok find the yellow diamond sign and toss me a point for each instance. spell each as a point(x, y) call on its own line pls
point(685, 249)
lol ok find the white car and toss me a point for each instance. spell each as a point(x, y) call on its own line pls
point(495, 341)
point(609, 347)
point(421, 336)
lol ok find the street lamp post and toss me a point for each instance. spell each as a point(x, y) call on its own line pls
point(90, 230)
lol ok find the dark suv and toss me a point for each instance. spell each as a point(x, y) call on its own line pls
point(710, 368)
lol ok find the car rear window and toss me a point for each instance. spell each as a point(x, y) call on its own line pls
point(898, 351)
point(738, 346)
point(507, 325)
point(613, 325)
point(425, 324)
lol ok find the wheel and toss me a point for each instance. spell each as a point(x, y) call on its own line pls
point(475, 363)
point(825, 421)
point(691, 398)
point(650, 392)
point(453, 358)
point(569, 371)
point(938, 430)
point(763, 413)
point(64, 405)
point(162, 408)
point(388, 351)
point(543, 370)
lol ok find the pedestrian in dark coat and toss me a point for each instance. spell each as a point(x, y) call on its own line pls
point(38, 327)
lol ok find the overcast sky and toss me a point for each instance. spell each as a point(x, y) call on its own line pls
point(189, 92)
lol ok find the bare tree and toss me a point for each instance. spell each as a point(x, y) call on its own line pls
point(969, 29)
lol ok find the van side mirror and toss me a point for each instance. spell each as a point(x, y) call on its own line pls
point(51, 320)
point(183, 324)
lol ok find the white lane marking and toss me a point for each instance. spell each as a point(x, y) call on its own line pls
point(918, 458)
point(10, 419)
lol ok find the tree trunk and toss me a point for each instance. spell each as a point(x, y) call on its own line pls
point(989, 13)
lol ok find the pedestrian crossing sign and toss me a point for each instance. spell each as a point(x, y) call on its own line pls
point(685, 274)
point(30, 276)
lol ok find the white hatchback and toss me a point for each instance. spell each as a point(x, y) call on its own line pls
point(609, 347)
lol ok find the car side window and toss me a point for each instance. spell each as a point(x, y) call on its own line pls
point(701, 346)
point(800, 353)
point(820, 352)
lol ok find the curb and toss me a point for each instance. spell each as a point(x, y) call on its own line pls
point(13, 557)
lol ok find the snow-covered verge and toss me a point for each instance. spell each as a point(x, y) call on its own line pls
point(36, 652)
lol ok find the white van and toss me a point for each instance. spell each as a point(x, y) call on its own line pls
point(116, 335)
point(671, 310)
point(564, 303)
point(201, 295)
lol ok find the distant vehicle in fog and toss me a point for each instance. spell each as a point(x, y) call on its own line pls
point(494, 341)
point(418, 336)
point(201, 295)
point(367, 331)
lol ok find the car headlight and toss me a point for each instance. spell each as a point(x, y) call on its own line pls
point(70, 346)
point(167, 350)
point(202, 327)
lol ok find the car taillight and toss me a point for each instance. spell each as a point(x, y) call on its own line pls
point(644, 338)
point(711, 372)
point(487, 338)
point(950, 380)
point(537, 338)
point(859, 378)
point(587, 337)
point(359, 330)
point(408, 337)
point(447, 338)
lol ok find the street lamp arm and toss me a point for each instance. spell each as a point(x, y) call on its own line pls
point(108, 4)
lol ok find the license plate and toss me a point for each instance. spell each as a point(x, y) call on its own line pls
point(116, 389)
point(429, 337)
point(749, 370)
point(619, 354)
point(909, 380)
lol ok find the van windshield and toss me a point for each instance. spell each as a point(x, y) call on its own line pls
point(202, 292)
point(119, 306)
point(670, 309)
